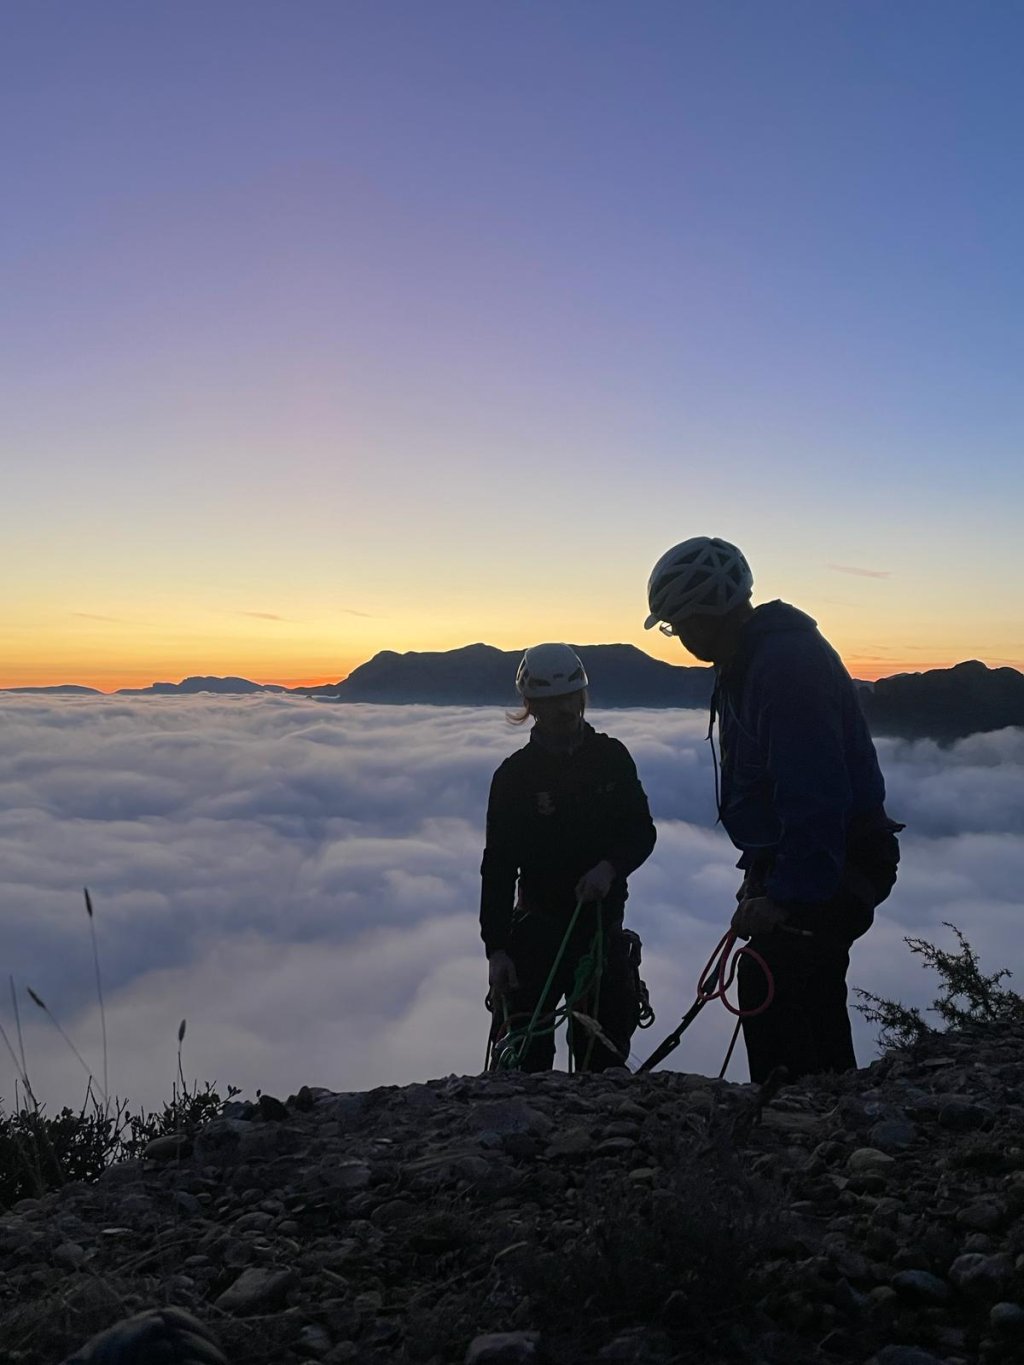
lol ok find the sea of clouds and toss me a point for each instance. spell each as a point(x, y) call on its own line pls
point(300, 881)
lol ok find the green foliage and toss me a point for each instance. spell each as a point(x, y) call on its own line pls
point(38, 1153)
point(898, 1025)
point(967, 997)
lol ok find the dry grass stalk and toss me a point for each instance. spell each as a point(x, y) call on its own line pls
point(99, 985)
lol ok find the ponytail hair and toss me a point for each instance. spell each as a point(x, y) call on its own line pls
point(525, 709)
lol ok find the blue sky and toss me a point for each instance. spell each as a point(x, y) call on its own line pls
point(338, 327)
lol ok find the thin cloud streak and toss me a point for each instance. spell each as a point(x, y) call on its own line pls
point(860, 573)
point(300, 881)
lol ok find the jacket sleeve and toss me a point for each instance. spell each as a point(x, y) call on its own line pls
point(635, 834)
point(500, 867)
point(798, 707)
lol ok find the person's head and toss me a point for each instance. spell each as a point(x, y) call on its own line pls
point(553, 685)
point(699, 592)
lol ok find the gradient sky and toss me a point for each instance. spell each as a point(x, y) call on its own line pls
point(333, 327)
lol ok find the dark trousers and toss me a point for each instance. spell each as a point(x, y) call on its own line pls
point(535, 942)
point(806, 1028)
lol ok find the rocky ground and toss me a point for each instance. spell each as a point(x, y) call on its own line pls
point(668, 1217)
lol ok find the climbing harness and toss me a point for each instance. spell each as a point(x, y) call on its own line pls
point(712, 984)
point(634, 956)
point(507, 1045)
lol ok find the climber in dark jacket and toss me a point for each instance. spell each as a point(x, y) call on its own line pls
point(567, 821)
point(802, 797)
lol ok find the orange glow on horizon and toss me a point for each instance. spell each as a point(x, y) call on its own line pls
point(110, 679)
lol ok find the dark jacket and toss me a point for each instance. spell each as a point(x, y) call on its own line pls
point(800, 777)
point(550, 818)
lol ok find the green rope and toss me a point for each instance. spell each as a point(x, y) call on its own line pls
point(598, 973)
point(527, 1037)
point(589, 969)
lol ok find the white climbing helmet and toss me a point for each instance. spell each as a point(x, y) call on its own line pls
point(550, 671)
point(704, 576)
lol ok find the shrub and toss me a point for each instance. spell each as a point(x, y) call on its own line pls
point(967, 997)
point(40, 1153)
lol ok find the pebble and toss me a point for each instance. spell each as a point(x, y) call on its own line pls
point(257, 1290)
point(921, 1286)
point(893, 1135)
point(170, 1147)
point(983, 1215)
point(868, 1159)
point(981, 1276)
point(905, 1355)
point(503, 1348)
point(314, 1341)
point(1007, 1318)
point(963, 1116)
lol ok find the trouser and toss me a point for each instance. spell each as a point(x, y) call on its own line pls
point(806, 1028)
point(534, 946)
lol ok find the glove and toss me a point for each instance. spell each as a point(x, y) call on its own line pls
point(595, 884)
point(501, 973)
point(758, 915)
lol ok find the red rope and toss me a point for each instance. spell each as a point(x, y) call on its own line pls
point(715, 971)
point(712, 984)
point(718, 975)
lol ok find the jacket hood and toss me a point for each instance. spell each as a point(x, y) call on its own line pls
point(775, 616)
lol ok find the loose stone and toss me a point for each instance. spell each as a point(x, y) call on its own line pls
point(503, 1348)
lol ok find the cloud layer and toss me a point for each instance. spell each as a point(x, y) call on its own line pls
point(300, 881)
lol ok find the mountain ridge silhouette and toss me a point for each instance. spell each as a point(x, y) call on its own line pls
point(941, 703)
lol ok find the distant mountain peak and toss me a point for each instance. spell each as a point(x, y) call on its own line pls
point(229, 686)
point(946, 703)
point(483, 675)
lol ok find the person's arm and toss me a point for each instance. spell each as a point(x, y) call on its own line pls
point(635, 834)
point(500, 866)
point(800, 731)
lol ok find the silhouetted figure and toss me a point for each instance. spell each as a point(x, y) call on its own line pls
point(567, 822)
point(801, 796)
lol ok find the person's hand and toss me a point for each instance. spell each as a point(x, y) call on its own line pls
point(758, 915)
point(595, 884)
point(501, 973)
